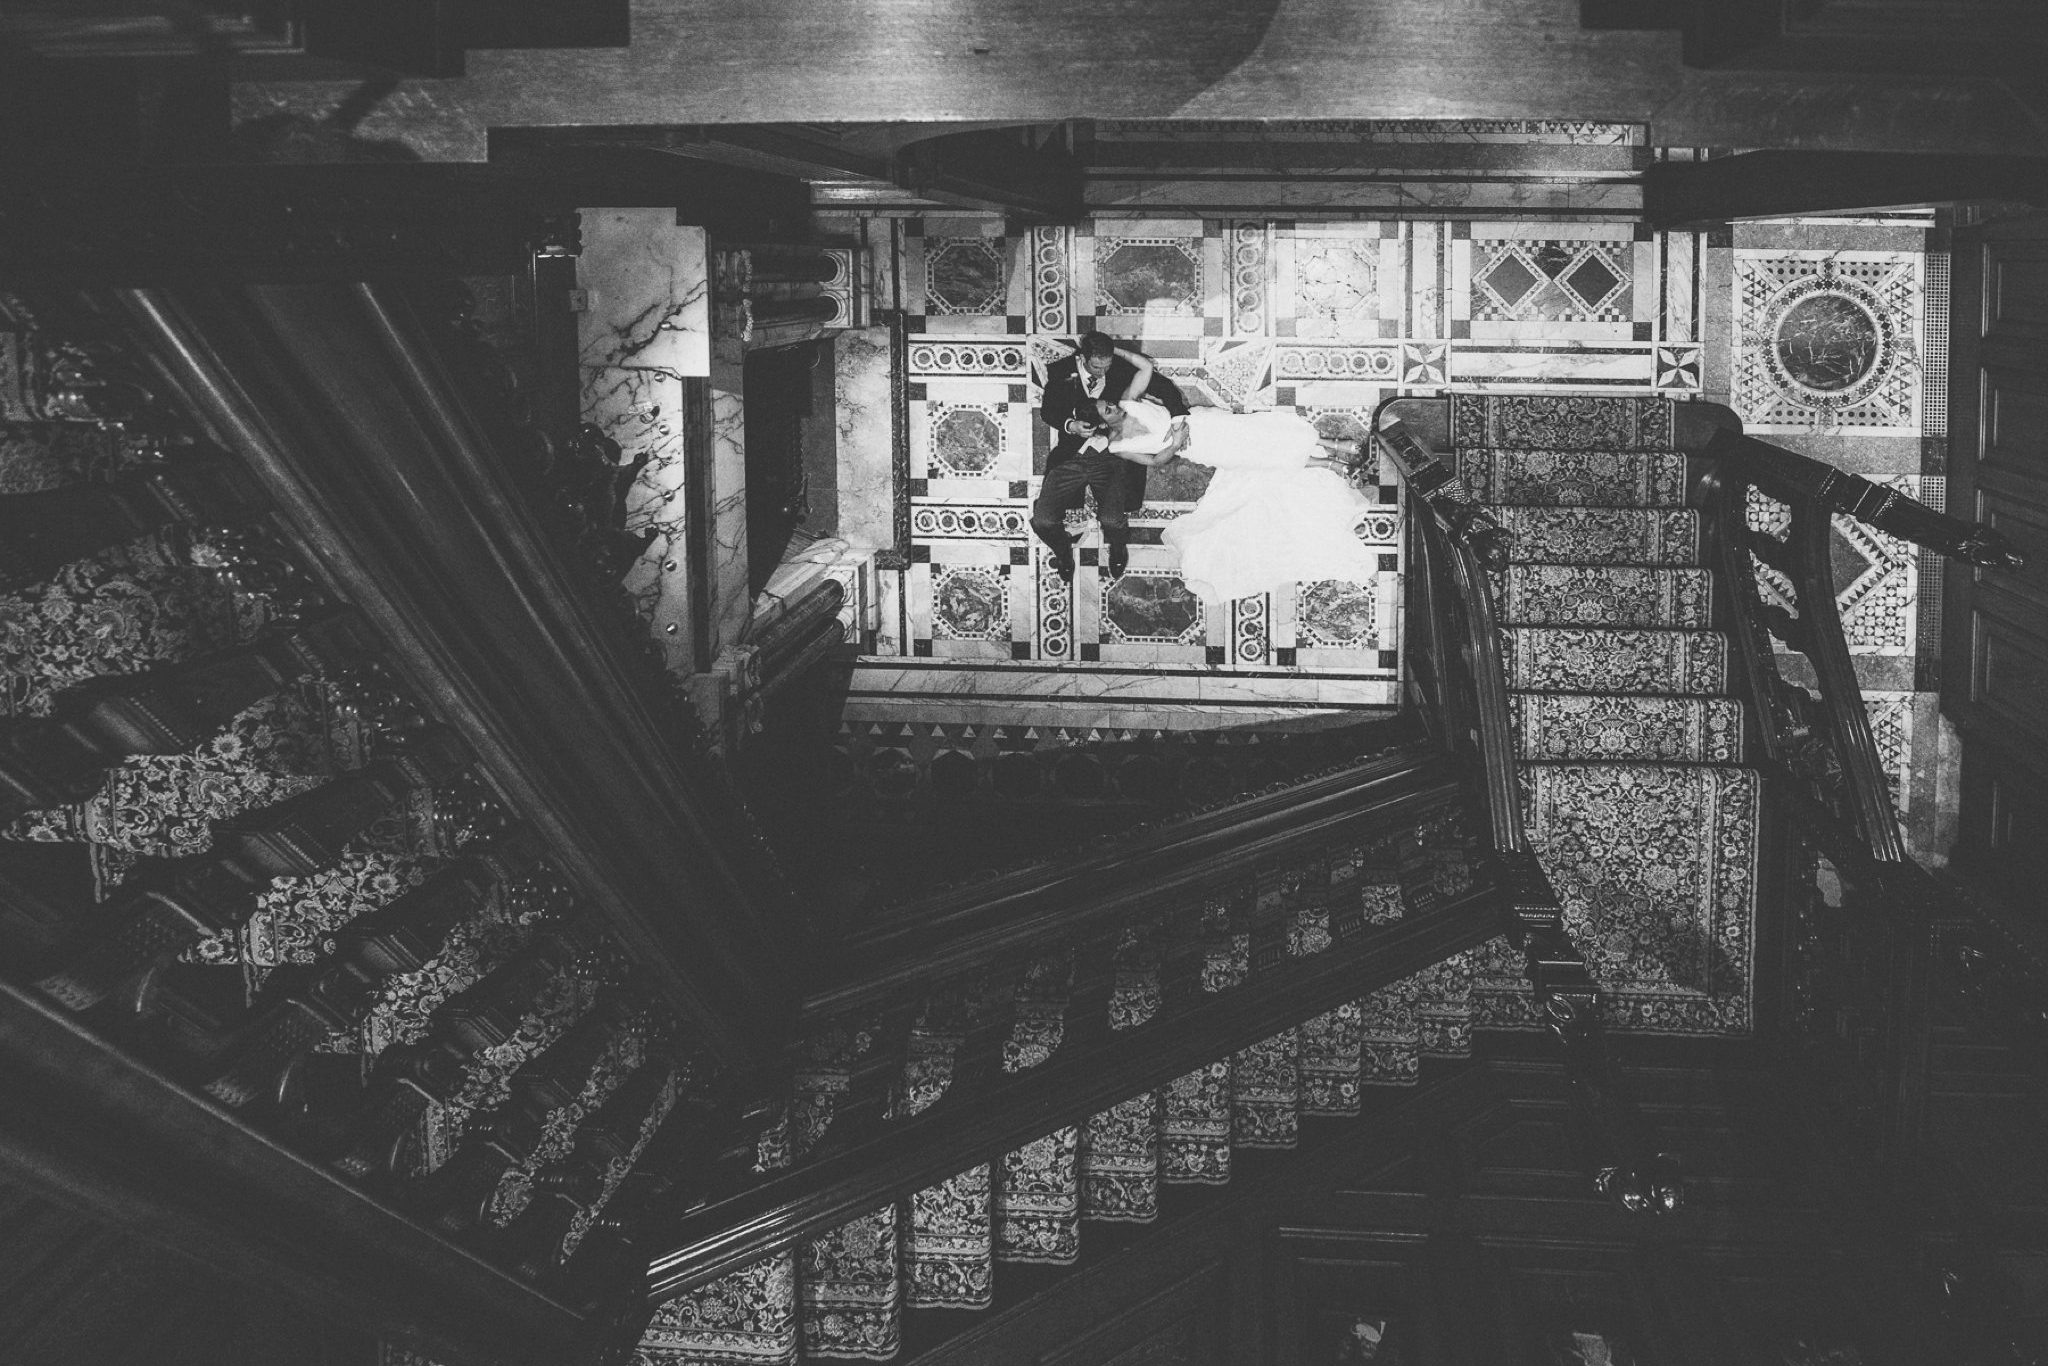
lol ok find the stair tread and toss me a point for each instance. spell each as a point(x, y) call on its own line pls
point(1615, 726)
point(1622, 660)
point(1655, 864)
point(1603, 594)
point(1588, 535)
point(1574, 479)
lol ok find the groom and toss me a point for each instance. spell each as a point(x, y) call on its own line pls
point(1080, 458)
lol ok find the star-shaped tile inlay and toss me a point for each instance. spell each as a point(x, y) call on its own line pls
point(1678, 367)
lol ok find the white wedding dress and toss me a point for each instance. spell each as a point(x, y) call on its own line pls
point(1268, 517)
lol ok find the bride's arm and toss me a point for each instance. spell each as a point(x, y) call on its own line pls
point(1142, 380)
point(1176, 439)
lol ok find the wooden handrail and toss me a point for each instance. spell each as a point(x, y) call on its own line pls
point(948, 934)
point(1842, 740)
point(962, 1130)
point(1848, 720)
point(1454, 542)
point(1479, 651)
point(334, 399)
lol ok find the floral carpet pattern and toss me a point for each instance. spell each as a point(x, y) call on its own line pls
point(1633, 791)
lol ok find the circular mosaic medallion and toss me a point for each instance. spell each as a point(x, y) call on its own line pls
point(1827, 342)
point(1830, 341)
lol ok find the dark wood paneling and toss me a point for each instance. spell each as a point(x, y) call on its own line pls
point(2025, 524)
point(1997, 622)
point(2016, 293)
point(1181, 1325)
point(74, 1292)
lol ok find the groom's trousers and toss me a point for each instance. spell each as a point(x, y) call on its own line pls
point(1064, 485)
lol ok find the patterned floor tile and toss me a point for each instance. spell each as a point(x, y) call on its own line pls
point(1829, 341)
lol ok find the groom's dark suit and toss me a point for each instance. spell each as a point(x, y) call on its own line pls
point(1118, 483)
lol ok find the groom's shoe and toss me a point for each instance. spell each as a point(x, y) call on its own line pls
point(1119, 560)
point(1063, 565)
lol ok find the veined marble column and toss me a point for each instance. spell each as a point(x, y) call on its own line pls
point(645, 332)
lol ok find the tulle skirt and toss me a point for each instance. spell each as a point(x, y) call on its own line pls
point(1268, 518)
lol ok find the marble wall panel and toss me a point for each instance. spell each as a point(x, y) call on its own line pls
point(866, 421)
point(1565, 365)
point(1679, 276)
point(644, 329)
point(970, 430)
point(646, 301)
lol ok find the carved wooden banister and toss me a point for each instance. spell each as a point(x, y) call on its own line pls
point(940, 936)
point(334, 399)
point(974, 1123)
point(1792, 478)
point(1822, 746)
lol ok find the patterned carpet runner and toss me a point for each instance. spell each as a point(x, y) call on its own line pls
point(844, 1295)
point(1633, 785)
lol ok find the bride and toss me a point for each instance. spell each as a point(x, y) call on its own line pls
point(1279, 509)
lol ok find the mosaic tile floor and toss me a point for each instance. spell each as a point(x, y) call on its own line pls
point(1328, 319)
